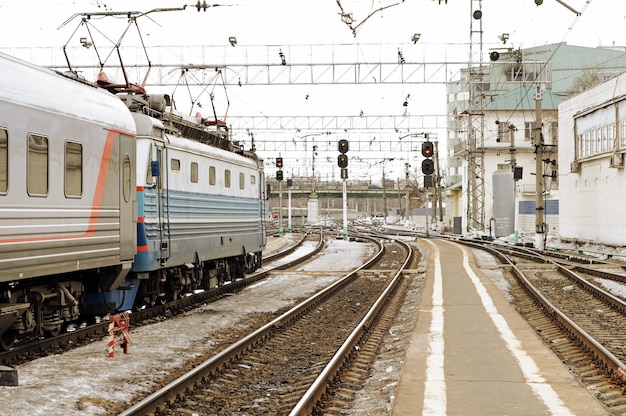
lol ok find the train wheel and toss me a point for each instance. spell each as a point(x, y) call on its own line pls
point(138, 307)
point(7, 340)
point(54, 332)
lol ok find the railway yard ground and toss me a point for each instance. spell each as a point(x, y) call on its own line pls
point(84, 381)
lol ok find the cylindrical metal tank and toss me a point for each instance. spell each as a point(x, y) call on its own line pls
point(503, 202)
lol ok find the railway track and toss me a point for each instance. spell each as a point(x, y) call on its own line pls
point(584, 324)
point(290, 364)
point(90, 333)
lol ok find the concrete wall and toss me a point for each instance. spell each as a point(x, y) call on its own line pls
point(593, 199)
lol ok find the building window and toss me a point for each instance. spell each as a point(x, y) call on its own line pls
point(37, 181)
point(227, 178)
point(529, 131)
point(194, 172)
point(73, 169)
point(4, 161)
point(554, 132)
point(211, 175)
point(503, 133)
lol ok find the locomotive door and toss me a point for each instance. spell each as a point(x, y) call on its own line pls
point(163, 205)
point(128, 198)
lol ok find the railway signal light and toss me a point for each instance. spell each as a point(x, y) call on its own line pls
point(279, 162)
point(427, 149)
point(428, 167)
point(279, 175)
point(343, 146)
point(342, 161)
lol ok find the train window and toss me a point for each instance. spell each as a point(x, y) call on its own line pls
point(242, 181)
point(211, 175)
point(252, 179)
point(126, 178)
point(73, 169)
point(194, 172)
point(227, 178)
point(4, 161)
point(37, 182)
point(175, 163)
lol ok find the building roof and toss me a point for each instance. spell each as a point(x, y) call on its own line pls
point(522, 98)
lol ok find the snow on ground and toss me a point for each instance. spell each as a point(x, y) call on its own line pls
point(613, 287)
point(553, 242)
point(85, 381)
point(490, 268)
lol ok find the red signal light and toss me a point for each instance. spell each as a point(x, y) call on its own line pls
point(427, 149)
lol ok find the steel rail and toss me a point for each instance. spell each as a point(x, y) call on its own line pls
point(318, 389)
point(185, 383)
point(614, 367)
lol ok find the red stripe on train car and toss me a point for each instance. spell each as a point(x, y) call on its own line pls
point(96, 204)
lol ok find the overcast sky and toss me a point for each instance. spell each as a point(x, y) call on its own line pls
point(444, 31)
point(35, 22)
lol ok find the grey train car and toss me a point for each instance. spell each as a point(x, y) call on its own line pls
point(94, 217)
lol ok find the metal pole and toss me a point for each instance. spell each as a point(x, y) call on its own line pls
point(438, 183)
point(399, 194)
point(288, 209)
point(539, 211)
point(280, 208)
point(345, 210)
point(427, 227)
point(384, 196)
point(406, 189)
point(313, 167)
point(515, 181)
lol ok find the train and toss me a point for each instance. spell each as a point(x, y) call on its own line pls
point(111, 200)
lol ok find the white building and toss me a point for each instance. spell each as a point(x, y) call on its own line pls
point(592, 143)
point(508, 144)
point(504, 90)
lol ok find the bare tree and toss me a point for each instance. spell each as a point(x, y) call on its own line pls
point(588, 79)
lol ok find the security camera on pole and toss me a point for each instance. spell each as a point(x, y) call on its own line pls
point(342, 162)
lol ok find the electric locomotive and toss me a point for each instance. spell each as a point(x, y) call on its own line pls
point(111, 200)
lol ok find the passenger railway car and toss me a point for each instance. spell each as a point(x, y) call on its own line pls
point(110, 200)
